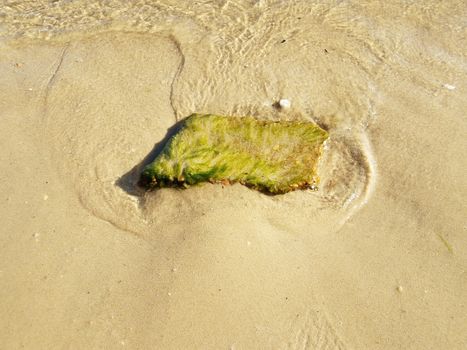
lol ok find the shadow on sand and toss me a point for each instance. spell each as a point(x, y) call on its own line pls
point(129, 181)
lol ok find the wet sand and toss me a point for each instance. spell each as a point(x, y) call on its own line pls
point(376, 259)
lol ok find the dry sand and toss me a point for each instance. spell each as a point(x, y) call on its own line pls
point(376, 259)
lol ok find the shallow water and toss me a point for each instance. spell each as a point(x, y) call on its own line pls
point(232, 59)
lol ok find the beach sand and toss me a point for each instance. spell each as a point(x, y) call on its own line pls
point(375, 259)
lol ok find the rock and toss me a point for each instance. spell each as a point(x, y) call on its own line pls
point(272, 157)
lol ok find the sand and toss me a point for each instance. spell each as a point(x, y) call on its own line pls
point(376, 259)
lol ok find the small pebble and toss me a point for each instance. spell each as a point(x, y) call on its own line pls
point(400, 289)
point(284, 103)
point(449, 86)
point(46, 197)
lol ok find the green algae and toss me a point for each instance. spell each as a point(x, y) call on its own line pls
point(272, 157)
point(446, 243)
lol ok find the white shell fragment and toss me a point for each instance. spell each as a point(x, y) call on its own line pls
point(449, 86)
point(284, 103)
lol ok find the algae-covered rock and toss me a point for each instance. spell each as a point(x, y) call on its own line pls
point(273, 157)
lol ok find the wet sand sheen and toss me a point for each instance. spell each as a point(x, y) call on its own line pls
point(359, 264)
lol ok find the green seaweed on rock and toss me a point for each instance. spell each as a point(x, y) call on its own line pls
point(272, 157)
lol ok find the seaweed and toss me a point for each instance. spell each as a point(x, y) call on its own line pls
point(270, 156)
